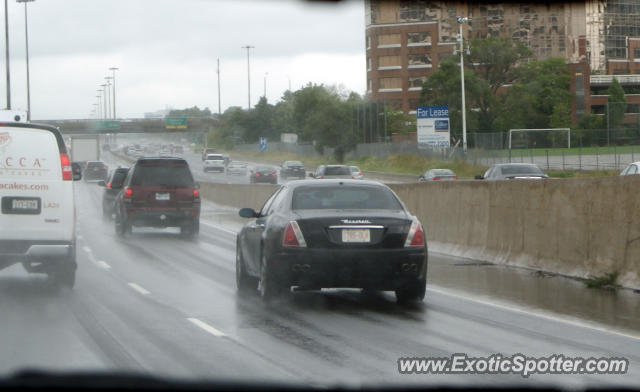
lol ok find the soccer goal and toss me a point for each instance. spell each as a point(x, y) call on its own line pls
point(540, 138)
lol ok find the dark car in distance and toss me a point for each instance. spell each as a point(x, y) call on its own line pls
point(438, 175)
point(158, 192)
point(263, 174)
point(332, 234)
point(95, 171)
point(292, 169)
point(112, 187)
point(513, 171)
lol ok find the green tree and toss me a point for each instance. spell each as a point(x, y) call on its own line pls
point(190, 112)
point(617, 105)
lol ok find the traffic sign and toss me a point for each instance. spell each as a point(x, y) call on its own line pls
point(175, 122)
point(263, 144)
point(105, 125)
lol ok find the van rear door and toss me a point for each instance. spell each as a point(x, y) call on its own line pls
point(37, 204)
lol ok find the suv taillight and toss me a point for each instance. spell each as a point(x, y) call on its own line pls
point(127, 194)
point(293, 236)
point(67, 175)
point(416, 235)
point(196, 195)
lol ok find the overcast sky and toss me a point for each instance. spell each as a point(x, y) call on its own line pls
point(167, 49)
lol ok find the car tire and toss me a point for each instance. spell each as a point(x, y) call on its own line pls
point(413, 293)
point(64, 274)
point(122, 225)
point(268, 286)
point(244, 282)
point(191, 229)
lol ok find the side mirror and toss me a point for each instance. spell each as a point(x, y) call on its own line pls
point(197, 185)
point(76, 170)
point(247, 213)
point(312, 175)
point(421, 178)
point(102, 183)
point(478, 178)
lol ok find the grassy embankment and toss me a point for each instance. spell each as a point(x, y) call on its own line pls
point(406, 164)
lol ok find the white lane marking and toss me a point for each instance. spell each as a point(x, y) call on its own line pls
point(202, 222)
point(103, 264)
point(86, 249)
point(139, 289)
point(550, 317)
point(206, 327)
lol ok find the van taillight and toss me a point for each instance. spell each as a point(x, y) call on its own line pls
point(67, 175)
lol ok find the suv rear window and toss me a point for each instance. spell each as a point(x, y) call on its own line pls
point(521, 169)
point(118, 178)
point(169, 173)
point(344, 198)
point(337, 171)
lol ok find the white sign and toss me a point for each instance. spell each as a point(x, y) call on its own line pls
point(433, 126)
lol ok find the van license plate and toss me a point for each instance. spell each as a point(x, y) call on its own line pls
point(356, 235)
point(162, 196)
point(21, 205)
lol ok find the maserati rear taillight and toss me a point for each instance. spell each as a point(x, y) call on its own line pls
point(293, 236)
point(415, 236)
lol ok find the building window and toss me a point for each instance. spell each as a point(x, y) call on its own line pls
point(621, 71)
point(389, 40)
point(368, 63)
point(369, 85)
point(369, 42)
point(416, 82)
point(443, 56)
point(413, 104)
point(419, 39)
point(419, 61)
point(390, 84)
point(389, 62)
point(636, 53)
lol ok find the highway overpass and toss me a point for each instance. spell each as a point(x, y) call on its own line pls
point(133, 125)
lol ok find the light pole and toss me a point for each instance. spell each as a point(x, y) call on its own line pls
point(99, 103)
point(108, 79)
point(26, 40)
point(462, 20)
point(248, 47)
point(6, 52)
point(114, 69)
point(219, 104)
point(104, 100)
point(264, 94)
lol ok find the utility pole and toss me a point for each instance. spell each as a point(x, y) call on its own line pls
point(26, 40)
point(219, 105)
point(108, 79)
point(264, 94)
point(6, 52)
point(247, 47)
point(104, 101)
point(462, 20)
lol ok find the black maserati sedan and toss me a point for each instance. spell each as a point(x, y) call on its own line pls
point(312, 235)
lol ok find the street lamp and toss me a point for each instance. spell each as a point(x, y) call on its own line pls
point(26, 40)
point(114, 69)
point(108, 79)
point(265, 85)
point(462, 20)
point(248, 47)
point(6, 52)
point(99, 103)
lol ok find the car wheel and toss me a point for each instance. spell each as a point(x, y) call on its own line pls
point(269, 287)
point(122, 225)
point(64, 274)
point(191, 229)
point(412, 293)
point(244, 282)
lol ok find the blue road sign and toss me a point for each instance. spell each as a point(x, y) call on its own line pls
point(263, 144)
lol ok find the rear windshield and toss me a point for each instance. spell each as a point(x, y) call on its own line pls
point(118, 178)
point(442, 172)
point(215, 157)
point(337, 171)
point(355, 169)
point(169, 173)
point(343, 197)
point(521, 169)
point(264, 168)
point(95, 164)
point(293, 163)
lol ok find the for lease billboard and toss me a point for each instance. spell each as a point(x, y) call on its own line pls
point(433, 126)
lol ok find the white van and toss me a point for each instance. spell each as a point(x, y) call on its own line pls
point(37, 220)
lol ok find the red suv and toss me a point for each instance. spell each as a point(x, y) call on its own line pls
point(158, 192)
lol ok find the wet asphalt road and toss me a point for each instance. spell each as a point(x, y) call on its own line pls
point(158, 304)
